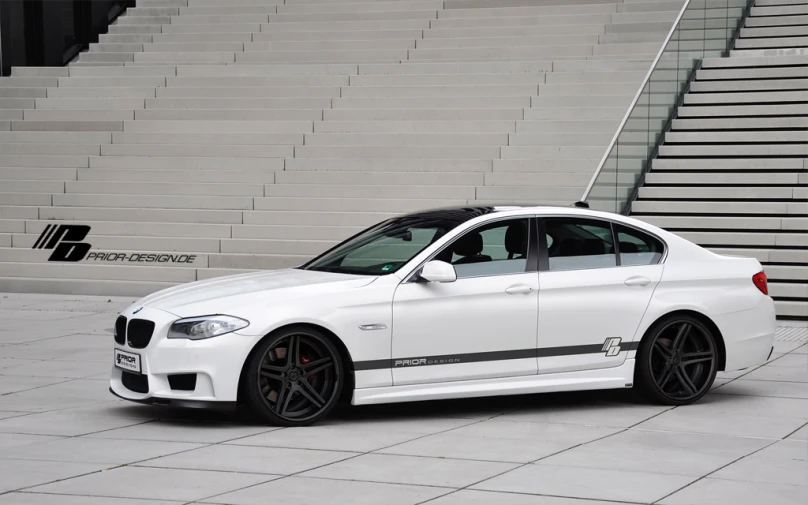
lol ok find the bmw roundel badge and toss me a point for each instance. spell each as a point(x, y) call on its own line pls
point(137, 310)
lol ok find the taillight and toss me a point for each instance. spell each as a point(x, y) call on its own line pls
point(759, 279)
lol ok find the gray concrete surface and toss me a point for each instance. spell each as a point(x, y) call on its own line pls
point(65, 440)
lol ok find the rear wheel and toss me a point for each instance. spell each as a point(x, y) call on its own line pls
point(677, 361)
point(294, 378)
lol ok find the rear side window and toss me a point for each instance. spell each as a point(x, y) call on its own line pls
point(577, 244)
point(638, 248)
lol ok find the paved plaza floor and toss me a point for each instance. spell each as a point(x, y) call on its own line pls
point(65, 440)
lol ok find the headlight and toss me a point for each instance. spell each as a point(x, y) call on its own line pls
point(198, 328)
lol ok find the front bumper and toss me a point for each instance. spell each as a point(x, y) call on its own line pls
point(215, 362)
point(185, 404)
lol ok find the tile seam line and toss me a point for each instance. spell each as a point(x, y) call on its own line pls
point(114, 467)
point(554, 454)
point(714, 471)
point(355, 456)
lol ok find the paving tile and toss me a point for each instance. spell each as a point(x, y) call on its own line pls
point(676, 453)
point(12, 362)
point(57, 368)
point(311, 491)
point(29, 498)
point(154, 483)
point(751, 424)
point(790, 347)
point(330, 438)
point(15, 384)
point(90, 450)
point(235, 458)
point(72, 393)
point(791, 360)
point(801, 434)
point(411, 470)
point(765, 388)
point(506, 441)
point(180, 431)
point(4, 414)
point(784, 463)
point(591, 483)
point(63, 423)
point(711, 491)
point(18, 474)
point(780, 373)
point(9, 441)
point(470, 497)
point(618, 415)
point(759, 405)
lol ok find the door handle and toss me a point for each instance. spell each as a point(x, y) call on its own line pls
point(519, 289)
point(638, 281)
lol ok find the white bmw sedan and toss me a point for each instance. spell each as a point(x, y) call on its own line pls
point(453, 303)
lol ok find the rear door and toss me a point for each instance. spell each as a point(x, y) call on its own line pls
point(593, 292)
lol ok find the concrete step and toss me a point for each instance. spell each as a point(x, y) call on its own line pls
point(81, 286)
point(165, 175)
point(407, 139)
point(711, 164)
point(60, 126)
point(471, 80)
point(410, 152)
point(191, 126)
point(707, 207)
point(504, 90)
point(392, 126)
point(325, 80)
point(263, 115)
point(178, 163)
point(358, 35)
point(318, 191)
point(353, 204)
point(439, 115)
point(259, 103)
point(314, 56)
point(198, 150)
point(385, 164)
point(163, 188)
point(446, 102)
point(208, 139)
point(331, 45)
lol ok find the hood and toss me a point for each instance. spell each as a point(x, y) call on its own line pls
point(225, 295)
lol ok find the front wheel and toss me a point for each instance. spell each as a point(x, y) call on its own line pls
point(294, 377)
point(677, 361)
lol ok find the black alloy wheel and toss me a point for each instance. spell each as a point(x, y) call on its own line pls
point(294, 378)
point(677, 361)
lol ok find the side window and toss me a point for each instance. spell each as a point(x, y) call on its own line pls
point(576, 244)
point(496, 249)
point(638, 248)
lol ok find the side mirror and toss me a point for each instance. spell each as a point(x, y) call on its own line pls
point(438, 271)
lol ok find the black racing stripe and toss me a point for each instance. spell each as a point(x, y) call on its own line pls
point(476, 357)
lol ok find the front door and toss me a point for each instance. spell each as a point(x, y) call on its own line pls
point(592, 299)
point(481, 326)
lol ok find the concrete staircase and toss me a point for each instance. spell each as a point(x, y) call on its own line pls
point(257, 134)
point(733, 172)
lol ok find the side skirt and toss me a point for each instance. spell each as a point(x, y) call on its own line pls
point(606, 378)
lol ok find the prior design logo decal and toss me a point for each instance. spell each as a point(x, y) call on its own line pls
point(126, 360)
point(424, 361)
point(67, 245)
point(65, 240)
point(612, 346)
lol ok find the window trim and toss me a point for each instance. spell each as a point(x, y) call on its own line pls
point(544, 251)
point(662, 258)
point(531, 264)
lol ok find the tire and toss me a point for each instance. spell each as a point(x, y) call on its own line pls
point(294, 388)
point(677, 361)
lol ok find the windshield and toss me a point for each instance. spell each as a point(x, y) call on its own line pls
point(384, 248)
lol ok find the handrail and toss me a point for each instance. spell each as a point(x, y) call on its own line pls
point(634, 102)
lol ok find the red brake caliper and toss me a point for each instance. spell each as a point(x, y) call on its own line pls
point(305, 360)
